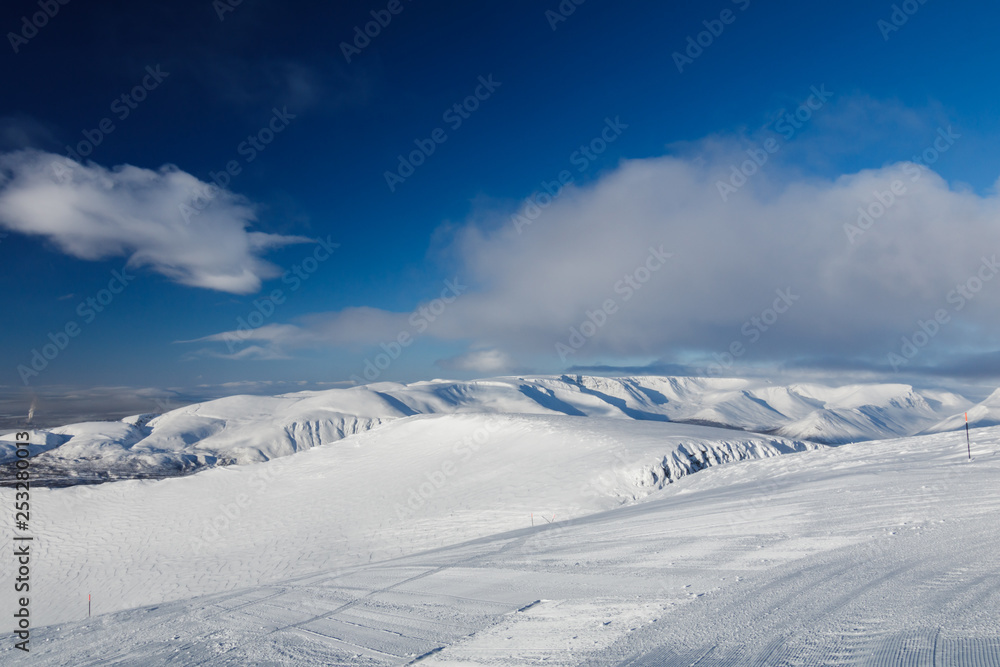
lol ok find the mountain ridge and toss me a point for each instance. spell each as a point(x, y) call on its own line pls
point(246, 429)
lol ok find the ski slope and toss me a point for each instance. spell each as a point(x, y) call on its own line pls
point(371, 496)
point(879, 553)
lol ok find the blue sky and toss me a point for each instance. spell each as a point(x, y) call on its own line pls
point(604, 75)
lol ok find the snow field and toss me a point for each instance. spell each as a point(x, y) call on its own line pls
point(416, 483)
point(872, 554)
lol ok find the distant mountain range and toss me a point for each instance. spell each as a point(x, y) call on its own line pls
point(247, 429)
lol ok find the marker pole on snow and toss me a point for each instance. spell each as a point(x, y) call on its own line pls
point(968, 442)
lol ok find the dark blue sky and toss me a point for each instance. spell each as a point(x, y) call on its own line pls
point(343, 124)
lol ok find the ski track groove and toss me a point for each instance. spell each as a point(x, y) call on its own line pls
point(300, 625)
point(858, 642)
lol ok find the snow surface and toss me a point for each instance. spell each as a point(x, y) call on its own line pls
point(250, 429)
point(518, 521)
point(372, 496)
point(878, 553)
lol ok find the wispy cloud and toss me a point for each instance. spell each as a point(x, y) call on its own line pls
point(254, 352)
point(95, 213)
point(489, 362)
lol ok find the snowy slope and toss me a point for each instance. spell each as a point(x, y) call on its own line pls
point(982, 414)
point(855, 555)
point(248, 429)
point(414, 483)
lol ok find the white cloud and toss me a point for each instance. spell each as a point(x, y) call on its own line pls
point(255, 352)
point(479, 361)
point(349, 327)
point(95, 213)
point(780, 231)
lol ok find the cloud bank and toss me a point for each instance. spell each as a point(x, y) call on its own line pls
point(651, 261)
point(94, 213)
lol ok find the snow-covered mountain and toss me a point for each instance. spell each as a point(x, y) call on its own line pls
point(986, 413)
point(248, 429)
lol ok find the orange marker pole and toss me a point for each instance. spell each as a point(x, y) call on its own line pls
point(968, 442)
